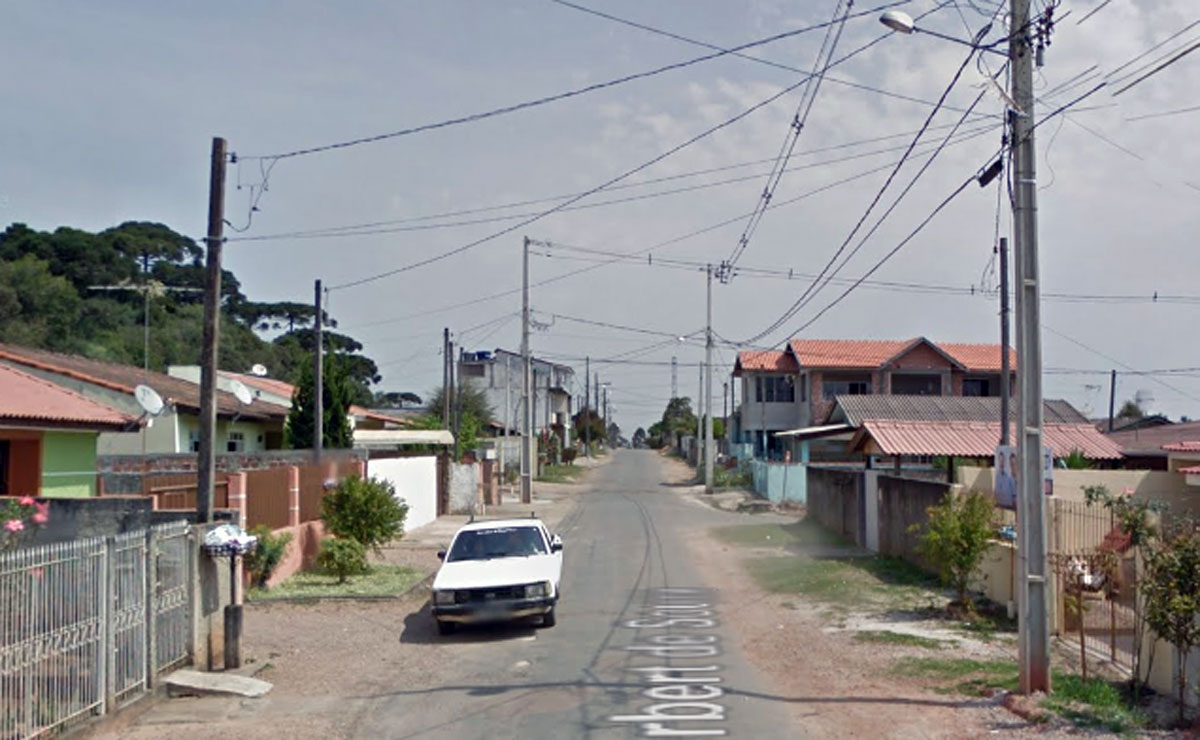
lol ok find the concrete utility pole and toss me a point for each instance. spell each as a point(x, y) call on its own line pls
point(607, 436)
point(446, 378)
point(585, 412)
point(708, 402)
point(699, 410)
point(318, 377)
point(212, 328)
point(1112, 398)
point(457, 401)
point(674, 377)
point(527, 455)
point(1005, 371)
point(1034, 642)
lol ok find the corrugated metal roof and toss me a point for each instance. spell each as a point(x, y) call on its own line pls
point(979, 357)
point(979, 438)
point(857, 409)
point(765, 361)
point(29, 399)
point(125, 378)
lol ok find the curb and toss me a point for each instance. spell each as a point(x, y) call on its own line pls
point(424, 580)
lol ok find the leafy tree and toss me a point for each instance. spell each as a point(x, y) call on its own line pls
point(342, 558)
point(394, 399)
point(955, 539)
point(1171, 587)
point(1131, 409)
point(36, 307)
point(474, 413)
point(365, 511)
point(589, 425)
point(336, 430)
point(639, 437)
point(678, 420)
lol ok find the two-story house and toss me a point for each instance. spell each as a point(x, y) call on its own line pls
point(498, 374)
point(796, 386)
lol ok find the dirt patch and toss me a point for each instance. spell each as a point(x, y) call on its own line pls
point(837, 684)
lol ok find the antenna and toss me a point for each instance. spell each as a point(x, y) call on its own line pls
point(148, 399)
point(241, 392)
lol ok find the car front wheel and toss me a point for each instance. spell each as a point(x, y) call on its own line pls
point(446, 628)
point(549, 619)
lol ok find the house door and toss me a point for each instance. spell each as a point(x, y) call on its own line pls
point(20, 467)
point(4, 467)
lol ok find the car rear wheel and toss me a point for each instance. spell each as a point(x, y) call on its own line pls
point(446, 628)
point(549, 619)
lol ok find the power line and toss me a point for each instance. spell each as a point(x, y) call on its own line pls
point(1195, 45)
point(747, 57)
point(1114, 360)
point(628, 173)
point(816, 286)
point(415, 223)
point(807, 98)
point(471, 118)
point(1164, 114)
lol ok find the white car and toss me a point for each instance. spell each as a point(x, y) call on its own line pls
point(498, 570)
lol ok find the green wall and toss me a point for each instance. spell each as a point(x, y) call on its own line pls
point(69, 464)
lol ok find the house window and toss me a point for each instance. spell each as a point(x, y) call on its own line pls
point(194, 441)
point(774, 389)
point(980, 387)
point(917, 385)
point(236, 442)
point(846, 387)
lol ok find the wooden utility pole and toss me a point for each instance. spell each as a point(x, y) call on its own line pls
point(708, 386)
point(586, 413)
point(1005, 371)
point(446, 378)
point(206, 474)
point(318, 377)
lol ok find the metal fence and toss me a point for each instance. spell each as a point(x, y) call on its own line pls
point(79, 629)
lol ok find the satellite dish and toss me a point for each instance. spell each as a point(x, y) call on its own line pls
point(240, 391)
point(148, 399)
point(259, 370)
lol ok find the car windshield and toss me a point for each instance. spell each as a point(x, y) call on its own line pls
point(501, 542)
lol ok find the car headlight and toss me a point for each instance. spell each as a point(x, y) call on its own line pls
point(537, 590)
point(443, 598)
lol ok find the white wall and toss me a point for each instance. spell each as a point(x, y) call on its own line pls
point(415, 481)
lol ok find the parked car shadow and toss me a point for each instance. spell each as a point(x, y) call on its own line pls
point(420, 628)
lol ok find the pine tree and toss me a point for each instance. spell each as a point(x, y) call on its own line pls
point(336, 430)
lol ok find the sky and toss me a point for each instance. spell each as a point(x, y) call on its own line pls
point(111, 108)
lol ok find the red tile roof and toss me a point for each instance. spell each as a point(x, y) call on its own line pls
point(979, 439)
point(765, 361)
point(125, 378)
point(1193, 470)
point(979, 357)
point(1187, 446)
point(28, 400)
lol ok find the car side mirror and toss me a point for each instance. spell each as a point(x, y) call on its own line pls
point(441, 554)
point(556, 544)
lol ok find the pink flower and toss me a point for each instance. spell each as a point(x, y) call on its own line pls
point(26, 501)
point(40, 518)
point(43, 508)
point(14, 525)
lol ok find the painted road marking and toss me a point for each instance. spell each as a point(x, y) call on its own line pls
point(682, 677)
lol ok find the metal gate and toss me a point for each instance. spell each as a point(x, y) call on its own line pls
point(79, 623)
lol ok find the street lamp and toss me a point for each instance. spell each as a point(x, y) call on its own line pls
point(1034, 625)
point(902, 22)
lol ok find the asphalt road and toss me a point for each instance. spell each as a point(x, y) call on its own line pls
point(643, 645)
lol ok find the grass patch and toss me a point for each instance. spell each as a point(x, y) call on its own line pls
point(1094, 703)
point(872, 582)
point(966, 676)
point(899, 638)
point(560, 473)
point(803, 532)
point(382, 580)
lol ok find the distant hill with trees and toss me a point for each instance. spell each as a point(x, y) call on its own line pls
point(50, 298)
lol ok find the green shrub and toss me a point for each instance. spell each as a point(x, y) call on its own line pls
point(267, 552)
point(956, 537)
point(366, 511)
point(342, 558)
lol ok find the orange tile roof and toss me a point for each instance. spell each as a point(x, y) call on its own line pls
point(1189, 446)
point(864, 353)
point(979, 357)
point(766, 361)
point(28, 400)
